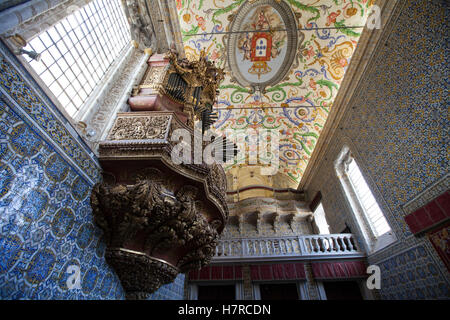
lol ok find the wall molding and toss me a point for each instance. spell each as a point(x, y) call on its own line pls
point(18, 84)
point(428, 194)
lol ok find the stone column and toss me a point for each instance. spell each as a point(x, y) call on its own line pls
point(311, 284)
point(248, 287)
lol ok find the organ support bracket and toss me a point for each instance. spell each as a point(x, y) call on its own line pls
point(160, 217)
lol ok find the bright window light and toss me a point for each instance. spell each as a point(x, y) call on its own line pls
point(373, 213)
point(321, 221)
point(77, 52)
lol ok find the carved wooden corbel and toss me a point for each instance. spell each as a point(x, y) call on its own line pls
point(154, 229)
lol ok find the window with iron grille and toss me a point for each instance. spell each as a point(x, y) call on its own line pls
point(372, 211)
point(77, 52)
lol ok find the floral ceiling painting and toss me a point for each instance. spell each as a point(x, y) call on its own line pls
point(284, 62)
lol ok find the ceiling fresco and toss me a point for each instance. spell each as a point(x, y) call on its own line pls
point(284, 61)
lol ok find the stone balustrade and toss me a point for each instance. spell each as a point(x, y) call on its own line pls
point(306, 247)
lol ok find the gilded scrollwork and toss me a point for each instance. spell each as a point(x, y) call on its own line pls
point(197, 73)
point(153, 78)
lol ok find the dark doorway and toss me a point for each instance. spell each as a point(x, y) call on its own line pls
point(227, 292)
point(279, 291)
point(342, 290)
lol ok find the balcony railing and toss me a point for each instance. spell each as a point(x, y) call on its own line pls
point(308, 247)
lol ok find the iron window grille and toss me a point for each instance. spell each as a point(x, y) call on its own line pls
point(372, 211)
point(78, 51)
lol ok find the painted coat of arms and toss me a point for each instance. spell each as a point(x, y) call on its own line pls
point(263, 42)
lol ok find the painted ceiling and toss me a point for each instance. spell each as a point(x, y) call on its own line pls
point(284, 61)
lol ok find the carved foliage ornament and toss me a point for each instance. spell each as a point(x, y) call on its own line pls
point(154, 216)
point(137, 128)
point(139, 273)
point(217, 178)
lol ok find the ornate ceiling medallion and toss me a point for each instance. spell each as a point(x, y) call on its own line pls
point(262, 56)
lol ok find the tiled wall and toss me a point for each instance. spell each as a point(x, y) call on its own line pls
point(46, 229)
point(412, 275)
point(171, 291)
point(397, 128)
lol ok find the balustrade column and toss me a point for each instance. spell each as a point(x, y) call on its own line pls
point(316, 247)
point(341, 245)
point(302, 246)
point(335, 244)
point(347, 244)
point(288, 246)
point(351, 244)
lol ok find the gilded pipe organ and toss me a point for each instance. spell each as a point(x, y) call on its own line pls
point(189, 88)
point(161, 217)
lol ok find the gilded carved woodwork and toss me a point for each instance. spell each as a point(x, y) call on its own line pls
point(153, 78)
point(154, 94)
point(156, 218)
point(160, 217)
point(139, 273)
point(136, 128)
